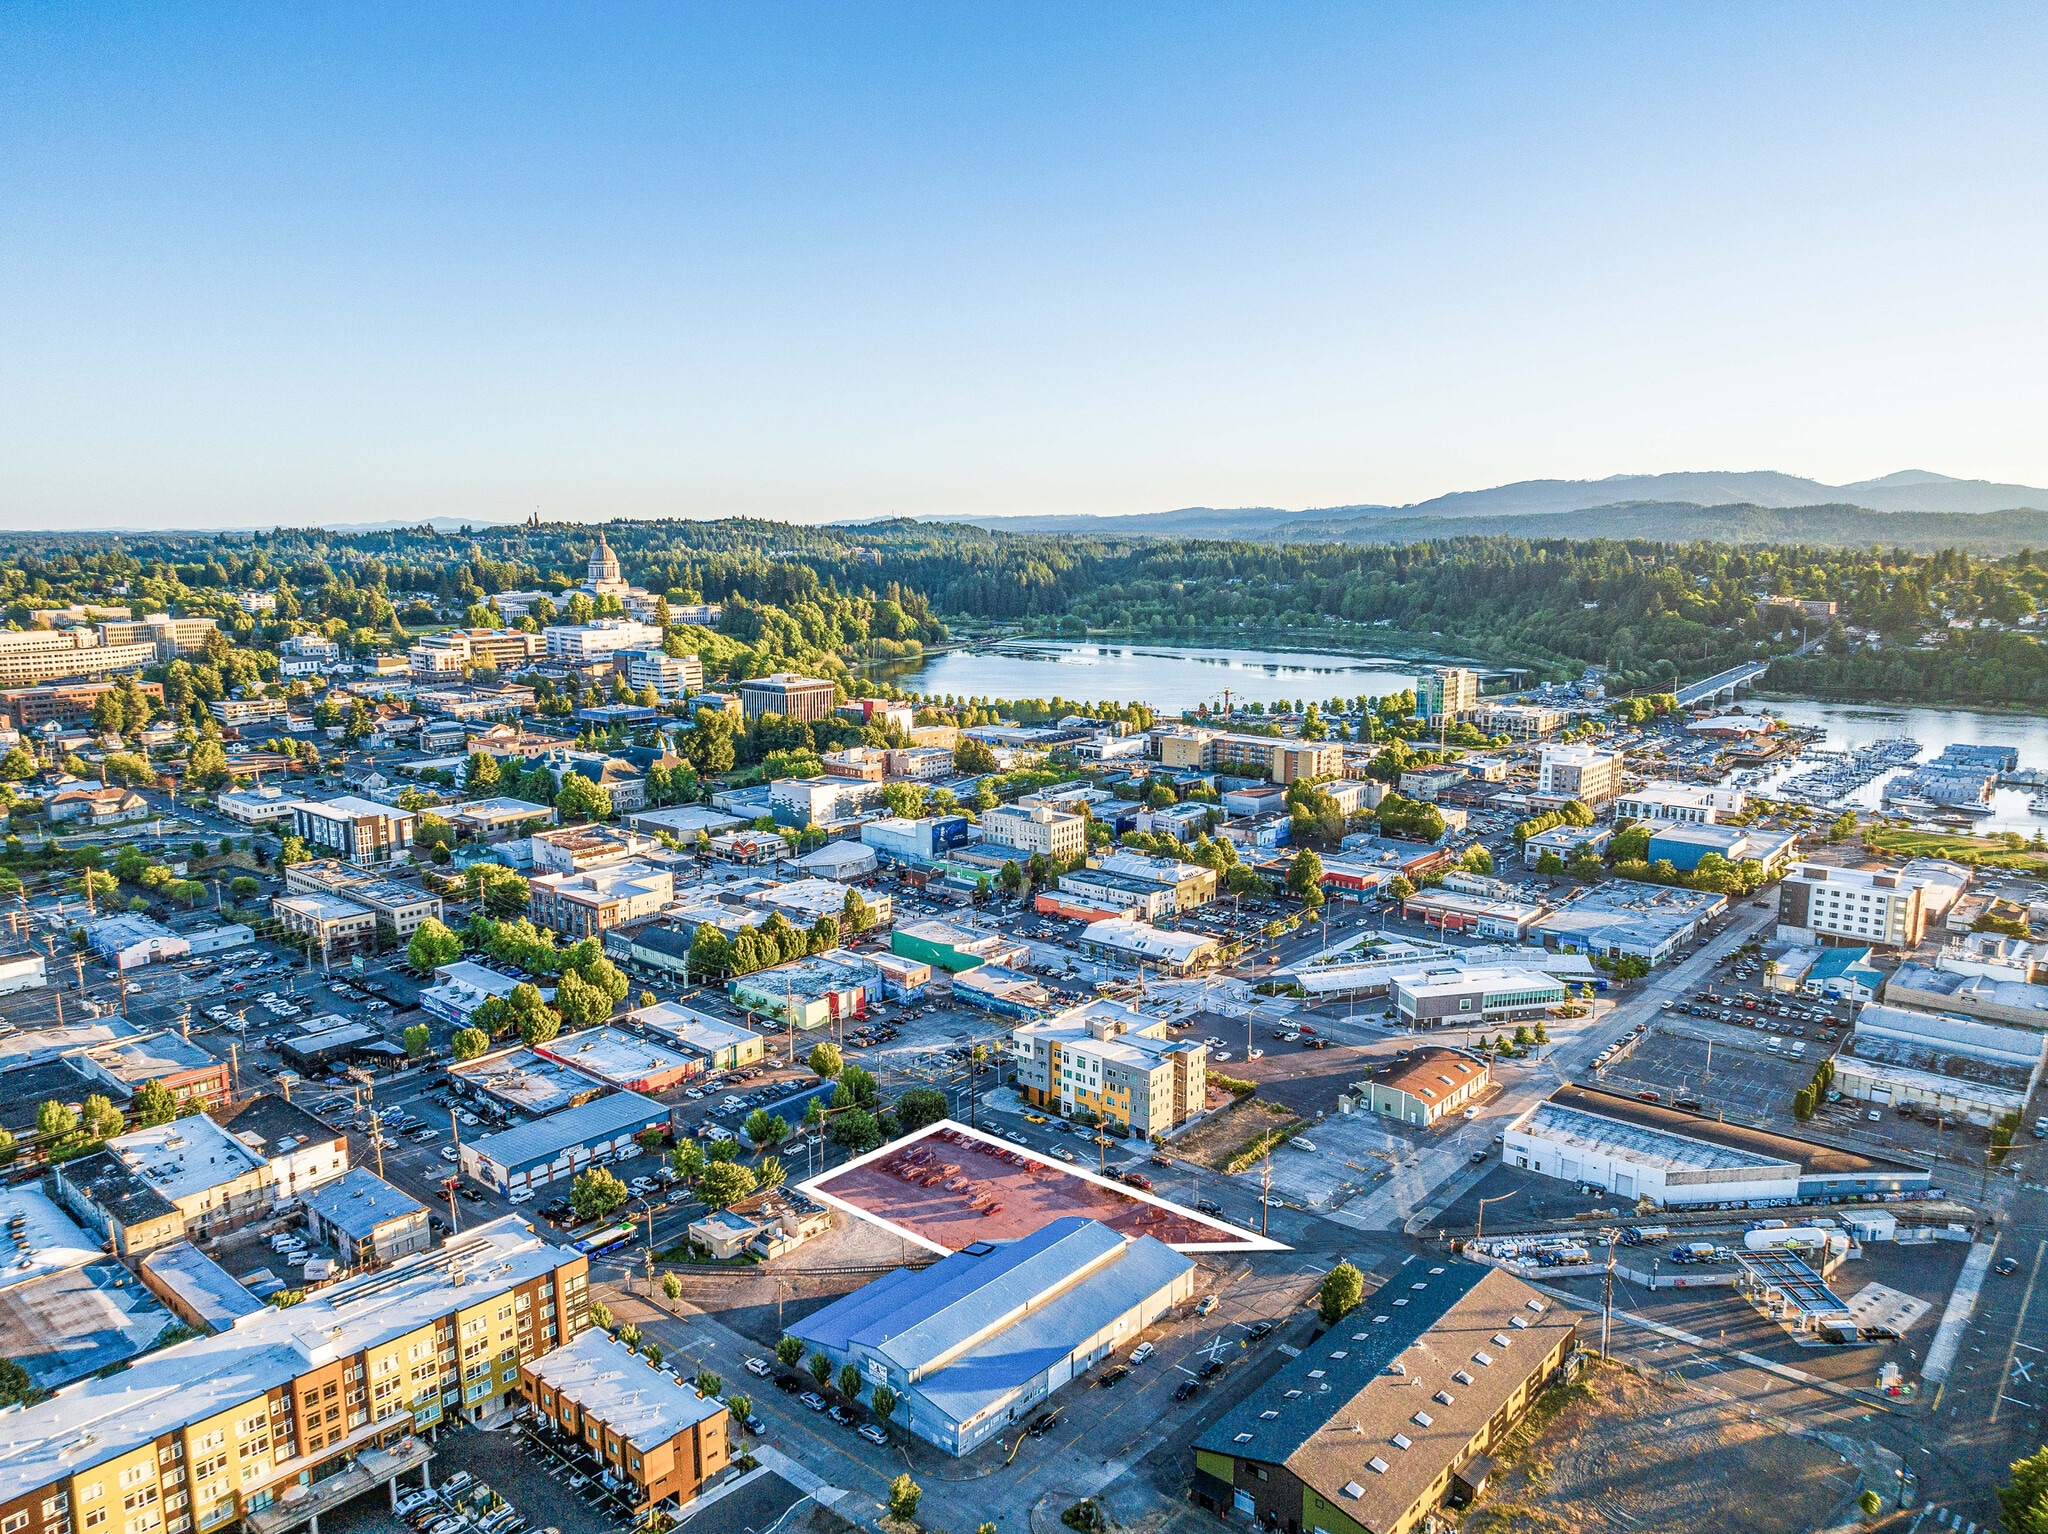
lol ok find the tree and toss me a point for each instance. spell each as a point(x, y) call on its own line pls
point(882, 1402)
point(1842, 827)
point(16, 1388)
point(8, 1148)
point(904, 1495)
point(207, 767)
point(766, 1129)
point(1400, 887)
point(1343, 1287)
point(671, 1287)
point(292, 850)
point(2024, 1499)
point(855, 1131)
point(920, 1106)
point(482, 777)
point(789, 1350)
point(17, 766)
point(432, 945)
point(600, 1315)
point(687, 1161)
point(416, 1039)
point(741, 1406)
point(820, 1367)
point(769, 1172)
point(242, 887)
point(1011, 879)
point(581, 1004)
point(857, 1088)
point(849, 1381)
point(581, 799)
point(905, 799)
point(468, 1043)
point(1305, 878)
point(596, 1193)
point(1870, 1503)
point(855, 914)
point(826, 1061)
point(707, 1382)
point(824, 934)
point(1549, 864)
point(1477, 860)
point(725, 1182)
point(710, 953)
point(153, 1104)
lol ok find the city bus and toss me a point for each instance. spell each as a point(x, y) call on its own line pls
point(604, 1240)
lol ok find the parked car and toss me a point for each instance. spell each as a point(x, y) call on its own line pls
point(1141, 1352)
point(758, 1367)
point(1185, 1389)
point(813, 1400)
point(873, 1434)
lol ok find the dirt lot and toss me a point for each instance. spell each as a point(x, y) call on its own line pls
point(1213, 1143)
point(1618, 1451)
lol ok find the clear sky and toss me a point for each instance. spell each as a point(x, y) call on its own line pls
point(347, 263)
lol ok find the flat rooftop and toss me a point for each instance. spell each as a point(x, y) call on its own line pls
point(36, 1237)
point(1760, 1144)
point(359, 1201)
point(528, 1144)
point(202, 1285)
point(530, 1082)
point(629, 1395)
point(690, 1028)
point(613, 1056)
point(949, 1186)
point(184, 1157)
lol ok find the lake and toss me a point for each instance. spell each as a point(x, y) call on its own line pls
point(1173, 677)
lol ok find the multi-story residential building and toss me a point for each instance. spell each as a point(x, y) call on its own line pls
point(595, 901)
point(300, 1150)
point(29, 656)
point(1584, 773)
point(360, 830)
point(1114, 1060)
point(399, 908)
point(64, 703)
point(1446, 691)
point(881, 713)
point(1860, 905)
point(149, 1187)
point(874, 764)
point(204, 1434)
point(794, 697)
point(459, 650)
point(600, 639)
point(327, 924)
point(802, 802)
point(1524, 721)
point(233, 713)
point(1280, 758)
point(659, 1438)
point(170, 637)
point(1043, 829)
point(671, 676)
point(308, 655)
point(367, 1220)
point(1692, 804)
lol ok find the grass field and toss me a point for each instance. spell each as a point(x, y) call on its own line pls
point(1988, 851)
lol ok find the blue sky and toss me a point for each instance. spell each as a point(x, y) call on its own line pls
point(348, 263)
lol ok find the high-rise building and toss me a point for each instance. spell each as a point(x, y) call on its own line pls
point(1448, 690)
point(794, 697)
point(29, 656)
point(1584, 773)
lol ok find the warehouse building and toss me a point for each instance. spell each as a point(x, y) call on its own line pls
point(1136, 942)
point(1635, 1149)
point(1624, 918)
point(1683, 846)
point(945, 946)
point(999, 989)
point(622, 1060)
point(1901, 1033)
point(1427, 1086)
point(556, 1148)
point(658, 1438)
point(717, 1044)
point(1371, 1429)
point(1990, 998)
point(808, 993)
point(521, 1081)
point(974, 1343)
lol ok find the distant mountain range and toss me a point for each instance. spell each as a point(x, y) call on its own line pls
point(1911, 491)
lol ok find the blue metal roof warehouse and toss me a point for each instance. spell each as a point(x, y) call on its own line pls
point(974, 1342)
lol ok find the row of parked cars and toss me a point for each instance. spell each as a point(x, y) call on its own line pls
point(461, 1505)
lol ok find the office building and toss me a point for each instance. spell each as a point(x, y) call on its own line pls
point(193, 1076)
point(823, 801)
point(255, 806)
point(474, 649)
point(658, 1439)
point(920, 841)
point(237, 713)
point(186, 1179)
point(1695, 804)
point(460, 988)
point(1584, 773)
point(208, 1432)
point(300, 1151)
point(670, 676)
point(328, 924)
point(1192, 886)
point(1376, 1425)
point(131, 939)
point(1522, 721)
point(1043, 830)
point(685, 822)
point(30, 656)
point(578, 849)
point(593, 902)
point(169, 637)
point(599, 639)
point(26, 708)
point(360, 830)
point(398, 907)
point(1119, 1063)
point(1884, 909)
point(1451, 910)
point(1567, 841)
point(809, 699)
point(1446, 691)
point(1280, 758)
point(1683, 846)
point(1453, 996)
point(1428, 1086)
point(365, 1219)
point(974, 1344)
point(1634, 1149)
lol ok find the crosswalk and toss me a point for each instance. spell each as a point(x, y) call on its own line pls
point(1941, 1517)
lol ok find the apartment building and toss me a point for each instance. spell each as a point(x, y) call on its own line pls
point(1041, 829)
point(1691, 804)
point(360, 830)
point(31, 656)
point(578, 849)
point(1450, 691)
point(600, 639)
point(204, 1433)
point(656, 1435)
point(1114, 1060)
point(307, 655)
point(1523, 721)
point(398, 908)
point(671, 676)
point(807, 698)
point(1279, 758)
point(1584, 773)
point(592, 903)
point(149, 1187)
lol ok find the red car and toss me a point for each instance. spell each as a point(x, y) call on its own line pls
point(1308, 1031)
point(1138, 1180)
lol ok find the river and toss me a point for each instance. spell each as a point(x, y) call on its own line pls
point(1172, 678)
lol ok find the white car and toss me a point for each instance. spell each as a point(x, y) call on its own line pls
point(1141, 1352)
point(758, 1367)
point(519, 1195)
point(1303, 1145)
point(1471, 1113)
point(449, 1153)
point(1257, 1054)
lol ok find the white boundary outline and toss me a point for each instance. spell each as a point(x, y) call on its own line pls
point(1250, 1241)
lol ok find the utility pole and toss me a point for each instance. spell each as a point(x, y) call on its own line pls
point(377, 1138)
point(1265, 1188)
point(235, 1066)
point(1607, 1301)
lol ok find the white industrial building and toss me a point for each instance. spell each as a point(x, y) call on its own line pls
point(1633, 1149)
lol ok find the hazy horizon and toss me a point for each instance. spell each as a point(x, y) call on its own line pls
point(352, 266)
